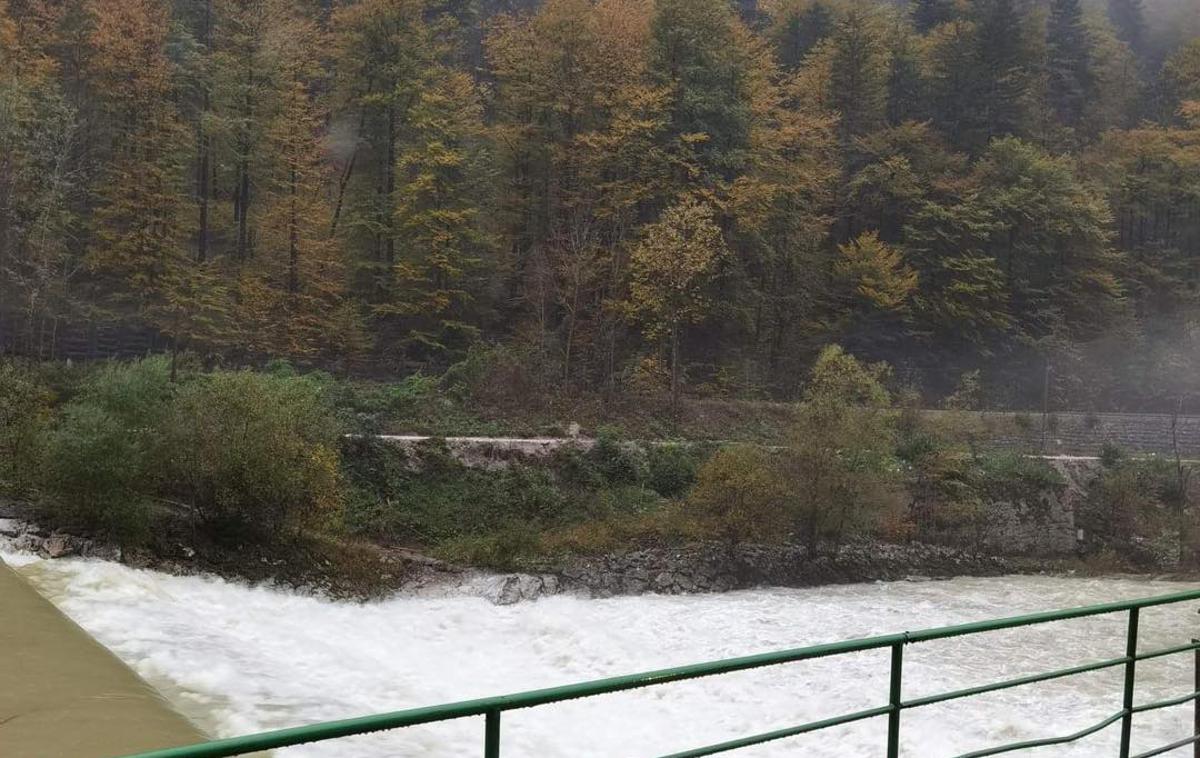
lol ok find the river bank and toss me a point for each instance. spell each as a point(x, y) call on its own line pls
point(363, 571)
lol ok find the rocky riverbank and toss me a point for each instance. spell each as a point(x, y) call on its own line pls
point(372, 572)
point(340, 569)
point(721, 568)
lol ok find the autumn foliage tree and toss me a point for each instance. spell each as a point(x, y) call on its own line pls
point(137, 245)
point(950, 185)
point(672, 269)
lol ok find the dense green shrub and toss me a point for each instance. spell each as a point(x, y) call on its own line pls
point(504, 549)
point(99, 474)
point(576, 469)
point(494, 375)
point(944, 503)
point(1133, 508)
point(427, 497)
point(839, 466)
point(1111, 455)
point(739, 497)
point(103, 460)
point(406, 397)
point(617, 461)
point(24, 413)
point(1014, 477)
point(281, 368)
point(137, 394)
point(671, 469)
point(254, 451)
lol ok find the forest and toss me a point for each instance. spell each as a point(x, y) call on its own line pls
point(660, 196)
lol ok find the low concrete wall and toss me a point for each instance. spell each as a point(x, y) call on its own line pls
point(493, 452)
point(1067, 434)
point(66, 696)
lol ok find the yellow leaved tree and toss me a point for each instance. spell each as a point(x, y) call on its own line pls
point(672, 267)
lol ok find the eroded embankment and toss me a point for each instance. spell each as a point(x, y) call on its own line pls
point(65, 695)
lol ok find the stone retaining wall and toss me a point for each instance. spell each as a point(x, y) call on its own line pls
point(1085, 434)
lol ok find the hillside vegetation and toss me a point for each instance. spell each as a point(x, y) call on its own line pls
point(225, 462)
point(672, 197)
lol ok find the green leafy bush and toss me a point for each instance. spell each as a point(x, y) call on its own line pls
point(24, 413)
point(253, 451)
point(428, 498)
point(503, 550)
point(738, 497)
point(103, 460)
point(576, 469)
point(406, 397)
point(281, 368)
point(493, 375)
point(671, 469)
point(1015, 477)
point(617, 462)
point(99, 474)
point(138, 394)
point(1111, 455)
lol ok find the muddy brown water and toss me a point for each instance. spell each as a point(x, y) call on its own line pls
point(62, 694)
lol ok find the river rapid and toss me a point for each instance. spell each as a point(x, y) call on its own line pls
point(238, 659)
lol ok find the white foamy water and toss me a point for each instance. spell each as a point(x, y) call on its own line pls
point(241, 659)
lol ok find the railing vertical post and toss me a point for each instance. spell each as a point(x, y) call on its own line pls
point(1131, 644)
point(491, 735)
point(1196, 703)
point(893, 745)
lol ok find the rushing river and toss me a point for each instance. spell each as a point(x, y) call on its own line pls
point(239, 659)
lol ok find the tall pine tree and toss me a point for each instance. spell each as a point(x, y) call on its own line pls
point(1129, 18)
point(1068, 71)
point(953, 82)
point(799, 29)
point(927, 14)
point(906, 84)
point(696, 54)
point(1002, 72)
point(859, 76)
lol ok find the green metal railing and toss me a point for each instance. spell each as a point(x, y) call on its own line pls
point(491, 708)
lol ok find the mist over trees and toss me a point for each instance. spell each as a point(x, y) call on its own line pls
point(681, 195)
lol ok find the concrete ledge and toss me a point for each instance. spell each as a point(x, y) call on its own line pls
point(66, 696)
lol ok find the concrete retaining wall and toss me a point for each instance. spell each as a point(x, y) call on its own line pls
point(64, 694)
point(1085, 434)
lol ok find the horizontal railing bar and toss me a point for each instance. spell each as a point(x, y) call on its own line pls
point(1034, 619)
point(1168, 651)
point(412, 717)
point(1169, 748)
point(1047, 741)
point(1010, 683)
point(1166, 703)
point(780, 734)
point(1048, 676)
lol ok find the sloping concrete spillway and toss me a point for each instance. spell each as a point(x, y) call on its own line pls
point(63, 695)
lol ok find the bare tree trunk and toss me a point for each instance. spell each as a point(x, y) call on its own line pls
point(344, 179)
point(390, 194)
point(675, 369)
point(205, 146)
point(1045, 404)
point(293, 241)
point(243, 210)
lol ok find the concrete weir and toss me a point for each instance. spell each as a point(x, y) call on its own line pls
point(63, 695)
